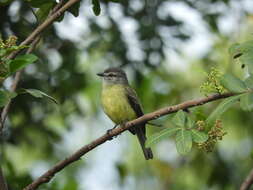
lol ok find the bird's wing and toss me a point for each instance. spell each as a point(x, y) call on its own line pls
point(133, 101)
point(135, 104)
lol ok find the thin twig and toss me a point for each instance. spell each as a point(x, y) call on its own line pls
point(248, 181)
point(14, 86)
point(46, 23)
point(3, 184)
point(57, 7)
point(47, 176)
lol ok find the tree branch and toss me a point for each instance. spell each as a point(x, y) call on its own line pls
point(248, 181)
point(48, 21)
point(57, 11)
point(47, 176)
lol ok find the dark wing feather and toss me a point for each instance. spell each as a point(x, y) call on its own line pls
point(134, 102)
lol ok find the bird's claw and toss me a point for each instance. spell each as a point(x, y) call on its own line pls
point(108, 132)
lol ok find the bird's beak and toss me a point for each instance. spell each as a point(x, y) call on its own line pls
point(100, 74)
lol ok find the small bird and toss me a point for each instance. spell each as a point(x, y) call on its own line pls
point(121, 104)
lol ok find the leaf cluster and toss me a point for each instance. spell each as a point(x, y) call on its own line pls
point(212, 84)
point(186, 132)
point(10, 66)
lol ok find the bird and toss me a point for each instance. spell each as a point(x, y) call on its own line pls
point(121, 104)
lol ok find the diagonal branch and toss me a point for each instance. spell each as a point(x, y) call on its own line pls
point(47, 176)
point(56, 12)
point(52, 17)
point(248, 181)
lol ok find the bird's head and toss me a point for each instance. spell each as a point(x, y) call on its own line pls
point(114, 76)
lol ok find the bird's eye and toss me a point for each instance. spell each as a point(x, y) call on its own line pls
point(112, 75)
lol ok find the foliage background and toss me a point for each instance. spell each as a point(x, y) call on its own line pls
point(165, 47)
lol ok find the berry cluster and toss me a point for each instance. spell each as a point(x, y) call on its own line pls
point(215, 134)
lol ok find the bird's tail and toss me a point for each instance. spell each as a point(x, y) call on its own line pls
point(140, 132)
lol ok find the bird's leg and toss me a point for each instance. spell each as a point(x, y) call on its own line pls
point(109, 131)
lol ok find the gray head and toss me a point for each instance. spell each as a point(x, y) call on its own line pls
point(114, 76)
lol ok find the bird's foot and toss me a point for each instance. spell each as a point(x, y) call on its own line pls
point(108, 132)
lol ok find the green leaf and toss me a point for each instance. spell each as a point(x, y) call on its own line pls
point(5, 97)
point(21, 61)
point(5, 2)
point(71, 184)
point(246, 102)
point(235, 50)
point(232, 83)
point(222, 107)
point(179, 119)
point(4, 70)
point(38, 4)
point(3, 52)
point(244, 52)
point(74, 10)
point(38, 94)
point(190, 123)
point(198, 136)
point(249, 82)
point(96, 7)
point(44, 10)
point(161, 135)
point(183, 141)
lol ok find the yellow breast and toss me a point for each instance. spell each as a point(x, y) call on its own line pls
point(116, 105)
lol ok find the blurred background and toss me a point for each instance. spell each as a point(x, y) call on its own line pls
point(165, 46)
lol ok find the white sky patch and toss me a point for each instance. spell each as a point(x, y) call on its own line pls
point(174, 62)
point(13, 11)
point(162, 151)
point(248, 5)
point(55, 60)
point(115, 11)
point(232, 150)
point(230, 21)
point(128, 28)
point(201, 39)
point(100, 172)
point(76, 137)
point(136, 5)
point(103, 22)
point(73, 28)
point(39, 168)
